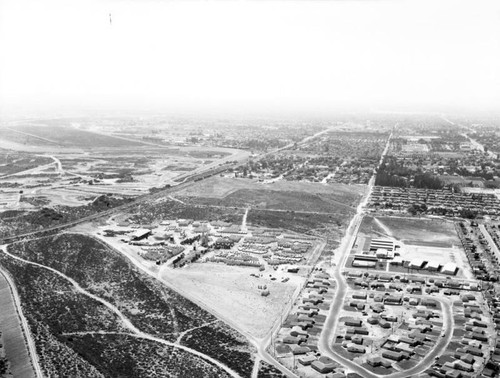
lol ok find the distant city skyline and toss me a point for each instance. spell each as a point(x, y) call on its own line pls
point(297, 56)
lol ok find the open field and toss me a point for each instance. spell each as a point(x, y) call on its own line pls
point(221, 187)
point(169, 209)
point(276, 200)
point(63, 136)
point(311, 224)
point(12, 162)
point(301, 207)
point(418, 230)
point(231, 291)
point(13, 339)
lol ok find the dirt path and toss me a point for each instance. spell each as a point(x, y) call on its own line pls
point(244, 221)
point(182, 334)
point(384, 227)
point(126, 322)
point(255, 371)
point(176, 200)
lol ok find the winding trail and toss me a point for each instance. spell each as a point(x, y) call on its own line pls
point(126, 322)
point(182, 334)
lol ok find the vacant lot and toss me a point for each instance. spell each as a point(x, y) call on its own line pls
point(417, 230)
point(221, 187)
point(304, 223)
point(233, 293)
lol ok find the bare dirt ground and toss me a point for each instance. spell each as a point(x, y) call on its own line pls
point(233, 293)
point(219, 187)
point(420, 230)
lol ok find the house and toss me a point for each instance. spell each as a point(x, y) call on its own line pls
point(396, 356)
point(354, 348)
point(353, 322)
point(474, 351)
point(359, 296)
point(322, 366)
point(403, 347)
point(356, 339)
point(477, 323)
point(297, 332)
point(390, 318)
point(361, 331)
point(428, 302)
point(385, 324)
point(374, 361)
point(393, 300)
point(307, 360)
point(292, 340)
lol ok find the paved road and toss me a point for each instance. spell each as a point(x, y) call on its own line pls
point(490, 241)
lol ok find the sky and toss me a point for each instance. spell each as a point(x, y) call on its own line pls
point(249, 55)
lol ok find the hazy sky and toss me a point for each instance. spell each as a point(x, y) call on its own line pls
point(250, 54)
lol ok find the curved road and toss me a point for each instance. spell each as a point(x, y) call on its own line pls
point(326, 338)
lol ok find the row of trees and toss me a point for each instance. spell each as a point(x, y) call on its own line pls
point(392, 174)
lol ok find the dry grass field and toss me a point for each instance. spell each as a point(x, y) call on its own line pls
point(429, 232)
point(233, 293)
point(220, 187)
